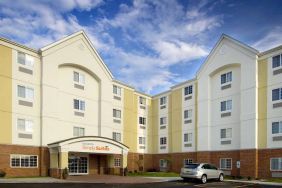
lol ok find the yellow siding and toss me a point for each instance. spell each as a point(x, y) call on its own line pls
point(175, 122)
point(155, 123)
point(150, 127)
point(5, 95)
point(130, 120)
point(64, 157)
point(53, 160)
point(262, 104)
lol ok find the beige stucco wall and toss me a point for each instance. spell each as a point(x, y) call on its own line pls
point(130, 120)
point(5, 95)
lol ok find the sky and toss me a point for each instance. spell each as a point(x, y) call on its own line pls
point(149, 44)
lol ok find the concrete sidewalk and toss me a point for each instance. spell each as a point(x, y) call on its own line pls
point(31, 180)
point(256, 182)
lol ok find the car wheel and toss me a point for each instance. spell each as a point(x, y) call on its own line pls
point(220, 178)
point(204, 179)
point(185, 179)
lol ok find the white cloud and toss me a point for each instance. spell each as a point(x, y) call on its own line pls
point(163, 32)
point(271, 40)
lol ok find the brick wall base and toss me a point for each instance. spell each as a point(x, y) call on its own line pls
point(253, 163)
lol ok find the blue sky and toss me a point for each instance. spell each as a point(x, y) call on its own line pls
point(150, 45)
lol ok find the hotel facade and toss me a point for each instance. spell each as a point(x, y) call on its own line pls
point(60, 107)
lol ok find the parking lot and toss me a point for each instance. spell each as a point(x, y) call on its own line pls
point(175, 184)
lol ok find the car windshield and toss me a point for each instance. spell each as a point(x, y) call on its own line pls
point(191, 166)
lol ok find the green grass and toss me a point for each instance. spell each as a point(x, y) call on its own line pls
point(276, 180)
point(154, 174)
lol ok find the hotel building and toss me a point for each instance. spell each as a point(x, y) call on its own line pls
point(60, 107)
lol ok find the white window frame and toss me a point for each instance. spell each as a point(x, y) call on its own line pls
point(279, 161)
point(27, 58)
point(189, 90)
point(142, 140)
point(280, 61)
point(279, 94)
point(143, 120)
point(80, 102)
point(228, 134)
point(228, 105)
point(228, 78)
point(80, 131)
point(28, 93)
point(163, 163)
point(116, 112)
point(117, 162)
point(163, 121)
point(20, 156)
point(189, 112)
point(117, 136)
point(163, 141)
point(117, 90)
point(25, 125)
point(189, 138)
point(163, 100)
point(225, 163)
point(279, 128)
point(81, 78)
point(189, 161)
point(142, 101)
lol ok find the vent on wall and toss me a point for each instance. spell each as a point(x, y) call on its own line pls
point(117, 121)
point(188, 98)
point(277, 138)
point(226, 86)
point(226, 114)
point(25, 103)
point(25, 70)
point(23, 135)
point(79, 114)
point(225, 142)
point(278, 71)
point(187, 145)
point(277, 105)
point(163, 107)
point(188, 121)
point(163, 147)
point(117, 98)
point(79, 86)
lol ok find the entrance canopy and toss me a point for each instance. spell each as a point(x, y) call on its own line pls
point(89, 144)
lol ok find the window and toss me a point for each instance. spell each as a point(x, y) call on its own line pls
point(142, 140)
point(163, 163)
point(227, 77)
point(117, 113)
point(142, 120)
point(116, 136)
point(23, 161)
point(187, 161)
point(24, 125)
point(78, 131)
point(277, 94)
point(162, 100)
point(163, 121)
point(25, 92)
point(188, 137)
point(276, 163)
point(277, 127)
point(78, 104)
point(226, 133)
point(117, 162)
point(188, 90)
point(25, 59)
point(276, 61)
point(226, 105)
point(163, 141)
point(142, 100)
point(226, 163)
point(187, 114)
point(117, 90)
point(79, 78)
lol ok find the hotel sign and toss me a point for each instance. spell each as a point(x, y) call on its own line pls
point(95, 147)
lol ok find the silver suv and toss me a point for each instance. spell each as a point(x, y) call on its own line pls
point(201, 171)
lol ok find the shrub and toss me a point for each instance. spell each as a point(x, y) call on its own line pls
point(151, 170)
point(65, 173)
point(249, 178)
point(2, 173)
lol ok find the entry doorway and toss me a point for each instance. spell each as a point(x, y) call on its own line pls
point(78, 165)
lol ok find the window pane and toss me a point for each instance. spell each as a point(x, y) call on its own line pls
point(229, 77)
point(275, 94)
point(21, 125)
point(82, 105)
point(222, 133)
point(275, 127)
point(115, 89)
point(276, 61)
point(275, 164)
point(76, 104)
point(81, 132)
point(185, 137)
point(29, 61)
point(223, 78)
point(75, 131)
point(81, 78)
point(229, 133)
point(21, 58)
point(75, 76)
point(223, 106)
point(21, 91)
point(29, 126)
point(186, 114)
point(186, 89)
point(190, 89)
point(229, 105)
point(29, 93)
point(190, 137)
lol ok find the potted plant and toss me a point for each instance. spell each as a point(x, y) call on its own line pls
point(65, 173)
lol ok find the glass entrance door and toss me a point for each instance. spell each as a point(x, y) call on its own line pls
point(78, 165)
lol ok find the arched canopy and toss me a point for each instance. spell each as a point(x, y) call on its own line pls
point(89, 144)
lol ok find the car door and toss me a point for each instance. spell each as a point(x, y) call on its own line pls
point(207, 171)
point(214, 171)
